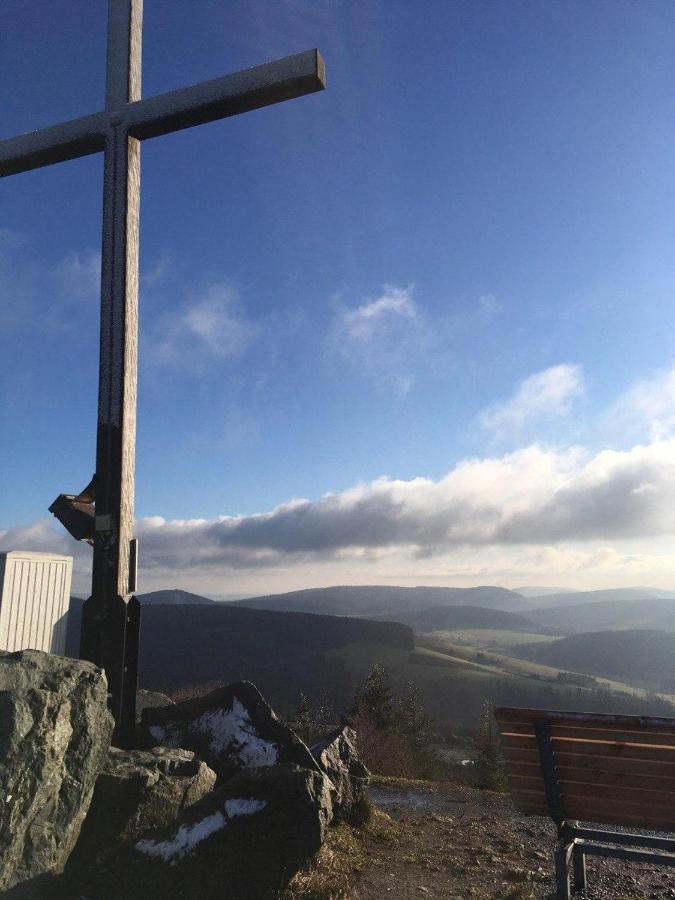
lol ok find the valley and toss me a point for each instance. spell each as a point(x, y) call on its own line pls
point(459, 650)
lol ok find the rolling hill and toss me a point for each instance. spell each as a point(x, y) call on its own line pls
point(198, 645)
point(653, 613)
point(644, 656)
point(438, 618)
point(534, 591)
point(390, 602)
point(173, 597)
point(617, 595)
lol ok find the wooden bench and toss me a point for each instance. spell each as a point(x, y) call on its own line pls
point(610, 770)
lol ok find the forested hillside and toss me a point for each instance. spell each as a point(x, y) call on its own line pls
point(653, 612)
point(640, 657)
point(382, 601)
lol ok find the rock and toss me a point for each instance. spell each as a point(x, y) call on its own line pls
point(337, 755)
point(232, 728)
point(55, 731)
point(150, 700)
point(245, 839)
point(137, 790)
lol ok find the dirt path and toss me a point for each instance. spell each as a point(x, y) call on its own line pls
point(455, 842)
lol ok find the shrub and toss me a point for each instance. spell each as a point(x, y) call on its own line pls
point(396, 735)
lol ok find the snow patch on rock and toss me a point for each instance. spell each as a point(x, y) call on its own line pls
point(185, 841)
point(189, 836)
point(231, 730)
point(241, 807)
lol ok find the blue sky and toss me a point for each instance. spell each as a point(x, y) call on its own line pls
point(452, 270)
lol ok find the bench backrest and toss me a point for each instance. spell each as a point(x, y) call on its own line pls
point(614, 770)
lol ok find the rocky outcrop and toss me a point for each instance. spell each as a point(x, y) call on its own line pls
point(233, 729)
point(338, 757)
point(55, 731)
point(246, 839)
point(137, 790)
point(162, 822)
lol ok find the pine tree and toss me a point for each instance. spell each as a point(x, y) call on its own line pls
point(303, 718)
point(414, 720)
point(375, 698)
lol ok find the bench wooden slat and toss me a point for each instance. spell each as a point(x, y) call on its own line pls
point(615, 793)
point(594, 748)
point(623, 764)
point(630, 723)
point(597, 810)
point(595, 776)
point(595, 734)
point(573, 802)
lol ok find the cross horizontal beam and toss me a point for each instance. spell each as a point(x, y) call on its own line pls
point(70, 140)
point(284, 79)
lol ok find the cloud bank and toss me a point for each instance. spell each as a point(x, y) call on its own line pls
point(534, 496)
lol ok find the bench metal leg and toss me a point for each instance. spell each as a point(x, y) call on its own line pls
point(579, 866)
point(562, 872)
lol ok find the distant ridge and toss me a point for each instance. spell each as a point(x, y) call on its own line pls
point(651, 612)
point(576, 598)
point(173, 597)
point(534, 591)
point(386, 602)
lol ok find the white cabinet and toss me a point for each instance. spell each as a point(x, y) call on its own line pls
point(34, 600)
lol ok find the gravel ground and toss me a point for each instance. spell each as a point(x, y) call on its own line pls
point(455, 842)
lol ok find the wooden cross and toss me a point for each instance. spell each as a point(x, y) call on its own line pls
point(111, 616)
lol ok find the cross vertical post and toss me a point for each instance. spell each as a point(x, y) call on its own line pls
point(110, 618)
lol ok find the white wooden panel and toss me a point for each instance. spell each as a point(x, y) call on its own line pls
point(34, 601)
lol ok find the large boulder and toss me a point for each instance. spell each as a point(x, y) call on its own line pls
point(55, 731)
point(244, 840)
point(233, 728)
point(337, 755)
point(137, 790)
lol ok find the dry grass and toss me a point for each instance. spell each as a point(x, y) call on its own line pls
point(329, 875)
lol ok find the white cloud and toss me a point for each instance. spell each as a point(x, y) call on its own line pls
point(370, 321)
point(162, 270)
point(490, 306)
point(384, 337)
point(79, 274)
point(648, 405)
point(544, 394)
point(46, 297)
point(214, 325)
